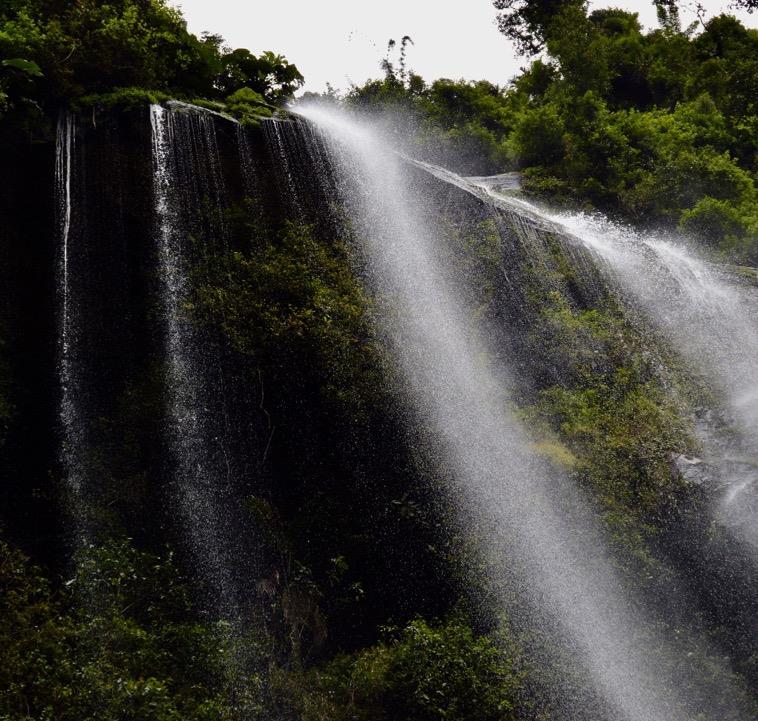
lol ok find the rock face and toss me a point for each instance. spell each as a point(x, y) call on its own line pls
point(502, 183)
point(691, 469)
point(28, 382)
point(116, 283)
point(113, 299)
point(746, 274)
point(724, 478)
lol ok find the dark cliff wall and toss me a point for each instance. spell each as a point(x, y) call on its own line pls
point(27, 351)
point(339, 472)
point(336, 470)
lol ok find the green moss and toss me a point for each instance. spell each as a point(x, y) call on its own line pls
point(215, 105)
point(122, 99)
point(623, 432)
point(249, 107)
point(618, 409)
point(556, 452)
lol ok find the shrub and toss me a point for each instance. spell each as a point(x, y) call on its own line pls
point(713, 221)
point(422, 673)
point(538, 137)
point(119, 642)
point(248, 106)
point(122, 99)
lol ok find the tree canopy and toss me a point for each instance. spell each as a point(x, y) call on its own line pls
point(528, 23)
point(657, 126)
point(54, 52)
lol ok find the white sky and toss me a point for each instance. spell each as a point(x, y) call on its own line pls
point(343, 41)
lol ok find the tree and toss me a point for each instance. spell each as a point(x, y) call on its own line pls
point(89, 47)
point(269, 74)
point(668, 14)
point(529, 23)
point(12, 71)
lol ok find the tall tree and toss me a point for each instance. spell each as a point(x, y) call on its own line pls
point(529, 22)
point(668, 14)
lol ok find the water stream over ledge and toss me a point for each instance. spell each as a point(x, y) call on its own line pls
point(538, 525)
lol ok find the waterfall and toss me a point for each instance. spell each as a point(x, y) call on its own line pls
point(280, 138)
point(709, 313)
point(540, 531)
point(186, 174)
point(71, 392)
point(247, 166)
point(545, 552)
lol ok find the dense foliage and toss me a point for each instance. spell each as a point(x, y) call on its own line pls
point(659, 127)
point(121, 641)
point(116, 642)
point(56, 52)
point(423, 673)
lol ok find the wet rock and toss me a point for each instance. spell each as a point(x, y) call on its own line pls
point(691, 469)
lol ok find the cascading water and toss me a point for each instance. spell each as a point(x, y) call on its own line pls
point(277, 133)
point(530, 515)
point(71, 391)
point(709, 314)
point(187, 173)
point(246, 162)
point(543, 544)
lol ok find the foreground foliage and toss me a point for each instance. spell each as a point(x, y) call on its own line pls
point(122, 640)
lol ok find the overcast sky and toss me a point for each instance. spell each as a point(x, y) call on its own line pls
point(343, 41)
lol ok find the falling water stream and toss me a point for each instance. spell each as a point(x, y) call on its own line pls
point(73, 429)
point(536, 522)
point(710, 314)
point(184, 147)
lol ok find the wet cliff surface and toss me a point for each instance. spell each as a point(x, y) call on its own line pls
point(198, 349)
point(98, 441)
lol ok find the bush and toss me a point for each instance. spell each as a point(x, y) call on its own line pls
point(247, 105)
point(294, 296)
point(37, 670)
point(122, 99)
point(422, 673)
point(538, 137)
point(120, 642)
point(713, 221)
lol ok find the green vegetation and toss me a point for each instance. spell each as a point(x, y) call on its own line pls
point(458, 123)
point(293, 296)
point(117, 641)
point(420, 672)
point(611, 422)
point(122, 640)
point(605, 404)
point(58, 53)
point(658, 127)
